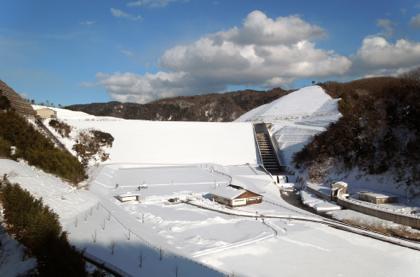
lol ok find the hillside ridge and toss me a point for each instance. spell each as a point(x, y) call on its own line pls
point(213, 107)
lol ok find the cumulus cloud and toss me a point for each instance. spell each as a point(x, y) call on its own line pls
point(387, 25)
point(378, 53)
point(262, 52)
point(262, 30)
point(130, 87)
point(122, 14)
point(415, 21)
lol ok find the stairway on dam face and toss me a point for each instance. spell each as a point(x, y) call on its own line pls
point(268, 154)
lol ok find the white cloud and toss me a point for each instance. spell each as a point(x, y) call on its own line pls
point(122, 14)
point(87, 22)
point(378, 53)
point(261, 52)
point(127, 53)
point(415, 21)
point(130, 87)
point(261, 30)
point(387, 25)
point(152, 3)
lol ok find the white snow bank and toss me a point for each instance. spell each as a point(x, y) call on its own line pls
point(60, 196)
point(316, 203)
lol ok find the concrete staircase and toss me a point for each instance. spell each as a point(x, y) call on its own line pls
point(268, 154)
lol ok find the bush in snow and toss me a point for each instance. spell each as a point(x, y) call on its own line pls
point(90, 145)
point(60, 127)
point(37, 227)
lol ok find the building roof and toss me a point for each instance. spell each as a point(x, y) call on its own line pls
point(20, 105)
point(229, 192)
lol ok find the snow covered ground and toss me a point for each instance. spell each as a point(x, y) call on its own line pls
point(296, 118)
point(13, 261)
point(126, 235)
point(316, 203)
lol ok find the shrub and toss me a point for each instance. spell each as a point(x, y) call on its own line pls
point(4, 102)
point(35, 148)
point(60, 127)
point(90, 145)
point(4, 148)
point(37, 227)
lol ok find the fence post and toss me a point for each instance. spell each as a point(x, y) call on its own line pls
point(141, 259)
point(104, 224)
point(112, 247)
point(94, 236)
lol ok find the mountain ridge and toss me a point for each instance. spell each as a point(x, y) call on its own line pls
point(213, 107)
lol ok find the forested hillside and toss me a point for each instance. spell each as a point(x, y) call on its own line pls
point(36, 149)
point(211, 107)
point(379, 131)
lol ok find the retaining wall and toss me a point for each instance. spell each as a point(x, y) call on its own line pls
point(394, 217)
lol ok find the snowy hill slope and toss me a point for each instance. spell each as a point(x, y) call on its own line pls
point(296, 118)
point(140, 141)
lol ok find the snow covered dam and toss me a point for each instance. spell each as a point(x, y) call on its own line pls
point(181, 142)
point(170, 142)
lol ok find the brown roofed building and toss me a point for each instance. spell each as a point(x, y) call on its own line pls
point(20, 105)
point(235, 196)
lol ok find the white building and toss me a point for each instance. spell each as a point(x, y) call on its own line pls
point(45, 113)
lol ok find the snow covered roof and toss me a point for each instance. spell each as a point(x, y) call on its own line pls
point(229, 192)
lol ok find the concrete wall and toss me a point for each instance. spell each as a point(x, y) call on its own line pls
point(407, 220)
point(394, 217)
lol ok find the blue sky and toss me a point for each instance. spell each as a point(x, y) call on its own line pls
point(99, 50)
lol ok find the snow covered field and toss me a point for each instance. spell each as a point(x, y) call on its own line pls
point(126, 235)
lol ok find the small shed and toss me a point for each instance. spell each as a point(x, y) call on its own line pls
point(338, 189)
point(234, 196)
point(126, 197)
point(376, 198)
point(45, 113)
